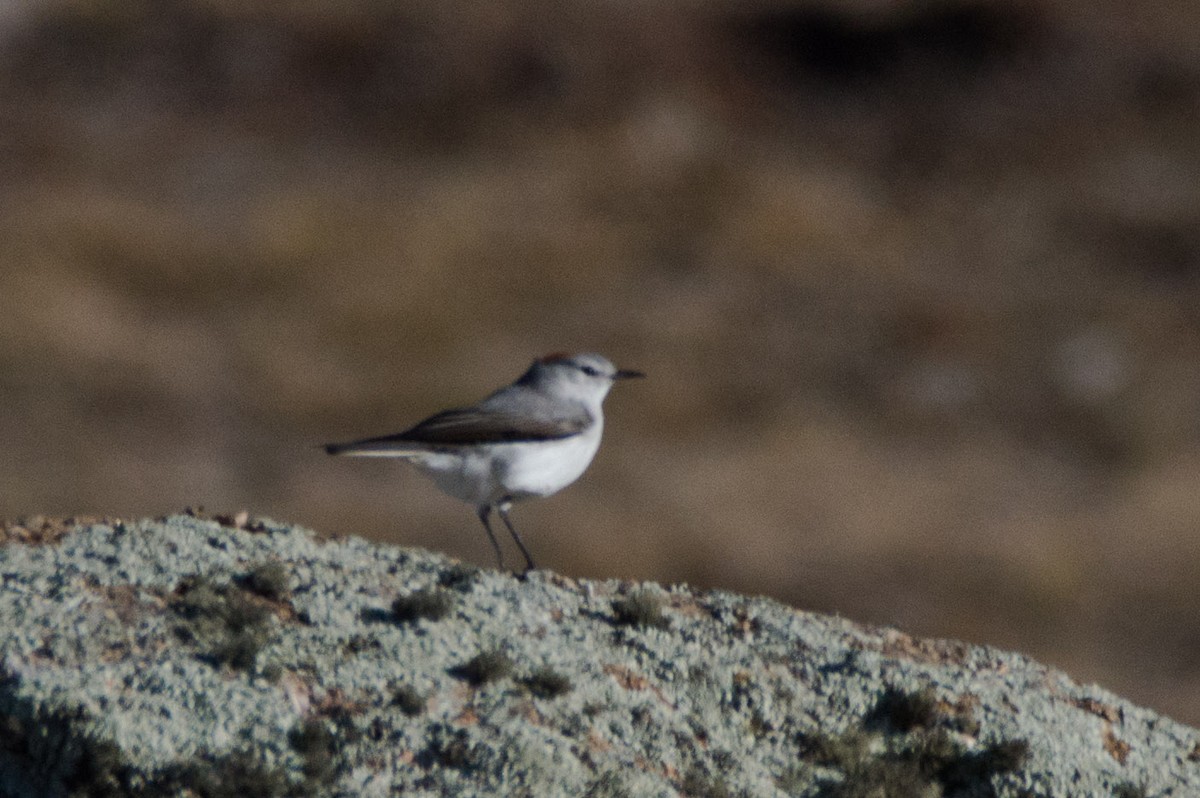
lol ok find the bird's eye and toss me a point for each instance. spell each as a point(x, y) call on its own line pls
point(590, 371)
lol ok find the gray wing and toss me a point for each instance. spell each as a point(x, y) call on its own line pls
point(483, 423)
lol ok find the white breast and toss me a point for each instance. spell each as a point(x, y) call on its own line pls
point(487, 474)
point(540, 469)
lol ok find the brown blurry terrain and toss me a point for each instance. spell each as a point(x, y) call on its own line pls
point(917, 285)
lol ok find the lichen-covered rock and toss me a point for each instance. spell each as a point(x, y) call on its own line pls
point(239, 657)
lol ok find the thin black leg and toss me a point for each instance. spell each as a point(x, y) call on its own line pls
point(484, 512)
point(502, 508)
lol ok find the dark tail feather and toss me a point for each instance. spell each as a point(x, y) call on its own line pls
point(372, 447)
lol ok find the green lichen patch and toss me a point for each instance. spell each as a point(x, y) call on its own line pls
point(1130, 790)
point(902, 711)
point(270, 580)
point(485, 667)
point(430, 604)
point(459, 577)
point(235, 775)
point(641, 608)
point(904, 748)
point(222, 621)
point(547, 683)
point(317, 746)
point(448, 747)
point(409, 700)
point(697, 784)
point(67, 759)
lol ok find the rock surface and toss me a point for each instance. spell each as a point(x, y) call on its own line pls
point(232, 656)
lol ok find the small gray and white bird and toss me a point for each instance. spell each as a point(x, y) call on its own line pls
point(529, 439)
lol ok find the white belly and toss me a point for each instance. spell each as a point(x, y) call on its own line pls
point(533, 469)
point(513, 470)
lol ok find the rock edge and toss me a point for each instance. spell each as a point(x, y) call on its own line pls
point(239, 656)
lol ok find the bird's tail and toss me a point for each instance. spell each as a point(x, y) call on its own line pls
point(374, 447)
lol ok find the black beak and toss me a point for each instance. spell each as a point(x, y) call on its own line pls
point(627, 374)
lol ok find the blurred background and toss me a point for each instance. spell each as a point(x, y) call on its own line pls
point(916, 283)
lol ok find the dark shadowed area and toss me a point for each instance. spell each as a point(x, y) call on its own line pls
point(917, 286)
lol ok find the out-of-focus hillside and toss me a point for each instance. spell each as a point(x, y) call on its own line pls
point(916, 284)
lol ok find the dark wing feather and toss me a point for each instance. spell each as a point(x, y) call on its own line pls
point(473, 425)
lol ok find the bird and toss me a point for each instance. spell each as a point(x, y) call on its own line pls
point(526, 440)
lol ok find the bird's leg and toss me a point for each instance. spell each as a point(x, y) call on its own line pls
point(503, 508)
point(484, 512)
